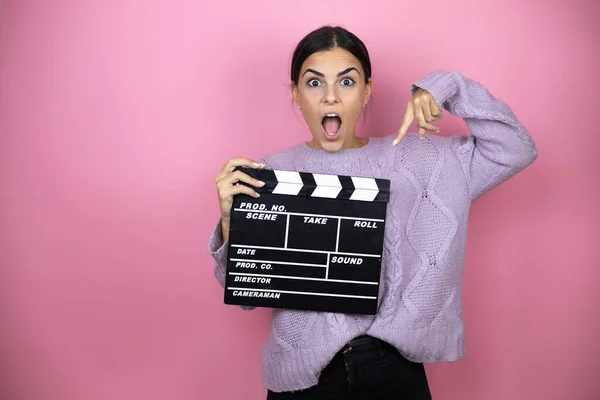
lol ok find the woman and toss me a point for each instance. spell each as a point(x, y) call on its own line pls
point(314, 355)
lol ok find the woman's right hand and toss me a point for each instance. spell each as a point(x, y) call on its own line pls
point(227, 186)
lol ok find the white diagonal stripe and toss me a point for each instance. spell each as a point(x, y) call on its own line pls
point(326, 191)
point(327, 180)
point(364, 195)
point(328, 186)
point(365, 183)
point(288, 177)
point(287, 188)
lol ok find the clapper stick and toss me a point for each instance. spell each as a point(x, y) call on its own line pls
point(309, 242)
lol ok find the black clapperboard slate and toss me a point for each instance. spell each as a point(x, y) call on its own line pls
point(309, 242)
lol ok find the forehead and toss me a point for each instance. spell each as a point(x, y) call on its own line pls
point(331, 61)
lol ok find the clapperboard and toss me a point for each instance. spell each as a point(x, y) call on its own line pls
point(310, 242)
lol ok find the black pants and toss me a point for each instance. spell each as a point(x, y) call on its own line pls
point(366, 369)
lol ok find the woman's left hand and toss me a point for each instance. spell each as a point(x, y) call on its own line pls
point(423, 108)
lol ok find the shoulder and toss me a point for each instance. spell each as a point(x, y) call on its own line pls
point(280, 159)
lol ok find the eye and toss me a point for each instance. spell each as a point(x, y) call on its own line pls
point(347, 82)
point(314, 83)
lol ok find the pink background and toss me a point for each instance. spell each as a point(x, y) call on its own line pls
point(116, 115)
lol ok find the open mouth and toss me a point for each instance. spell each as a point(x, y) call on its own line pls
point(331, 125)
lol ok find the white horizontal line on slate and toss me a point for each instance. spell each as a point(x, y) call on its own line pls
point(310, 215)
point(305, 278)
point(279, 262)
point(306, 250)
point(307, 293)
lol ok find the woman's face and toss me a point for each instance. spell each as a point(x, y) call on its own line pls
point(331, 92)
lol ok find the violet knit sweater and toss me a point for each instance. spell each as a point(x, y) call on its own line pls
point(433, 182)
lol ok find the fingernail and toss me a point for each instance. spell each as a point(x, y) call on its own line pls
point(395, 142)
point(256, 164)
point(257, 194)
point(260, 183)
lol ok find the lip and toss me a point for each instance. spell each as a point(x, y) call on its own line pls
point(326, 113)
point(330, 137)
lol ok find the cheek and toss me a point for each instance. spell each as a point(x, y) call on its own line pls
point(310, 94)
point(310, 101)
point(353, 97)
point(353, 104)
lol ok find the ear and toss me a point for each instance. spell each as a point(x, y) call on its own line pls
point(368, 86)
point(294, 88)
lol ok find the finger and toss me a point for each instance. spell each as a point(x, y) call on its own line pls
point(239, 176)
point(423, 125)
point(423, 115)
point(427, 110)
point(241, 189)
point(232, 163)
point(423, 128)
point(226, 193)
point(435, 110)
point(241, 162)
point(406, 121)
point(429, 127)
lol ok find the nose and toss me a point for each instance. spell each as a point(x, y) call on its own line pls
point(331, 96)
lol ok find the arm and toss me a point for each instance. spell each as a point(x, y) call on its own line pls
point(218, 245)
point(499, 146)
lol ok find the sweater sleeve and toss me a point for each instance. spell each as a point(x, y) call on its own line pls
point(217, 247)
point(499, 146)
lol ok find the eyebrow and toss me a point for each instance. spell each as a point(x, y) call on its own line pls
point(344, 72)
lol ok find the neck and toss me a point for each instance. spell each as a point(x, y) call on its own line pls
point(353, 143)
point(345, 161)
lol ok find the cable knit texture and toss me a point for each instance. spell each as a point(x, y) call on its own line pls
point(433, 182)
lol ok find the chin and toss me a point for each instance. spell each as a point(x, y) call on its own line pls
point(331, 146)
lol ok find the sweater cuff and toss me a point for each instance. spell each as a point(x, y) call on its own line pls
point(217, 247)
point(441, 84)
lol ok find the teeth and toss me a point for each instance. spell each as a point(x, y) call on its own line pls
point(332, 115)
